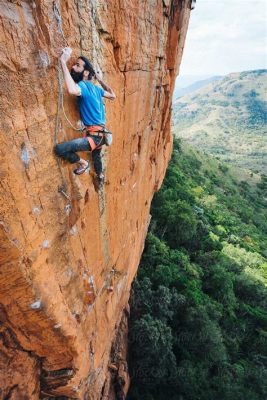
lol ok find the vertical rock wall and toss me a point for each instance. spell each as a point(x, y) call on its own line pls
point(68, 258)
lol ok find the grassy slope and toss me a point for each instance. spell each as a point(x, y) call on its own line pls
point(228, 119)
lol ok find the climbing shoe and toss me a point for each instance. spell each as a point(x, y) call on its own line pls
point(81, 169)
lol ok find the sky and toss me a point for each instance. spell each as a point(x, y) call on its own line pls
point(225, 36)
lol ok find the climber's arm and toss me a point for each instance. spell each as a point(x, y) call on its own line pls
point(109, 95)
point(108, 92)
point(73, 88)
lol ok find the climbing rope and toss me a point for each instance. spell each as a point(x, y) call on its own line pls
point(103, 219)
point(63, 189)
point(61, 99)
point(59, 21)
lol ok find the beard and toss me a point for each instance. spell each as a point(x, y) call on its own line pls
point(76, 76)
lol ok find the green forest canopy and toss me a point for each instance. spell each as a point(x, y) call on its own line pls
point(198, 326)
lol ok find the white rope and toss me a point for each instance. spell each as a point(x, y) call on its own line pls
point(59, 20)
point(62, 189)
point(60, 77)
point(61, 96)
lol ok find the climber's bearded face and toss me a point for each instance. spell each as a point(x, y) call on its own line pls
point(77, 71)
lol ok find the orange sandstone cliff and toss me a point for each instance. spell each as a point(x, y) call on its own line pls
point(69, 253)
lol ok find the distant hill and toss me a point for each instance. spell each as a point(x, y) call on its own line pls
point(228, 119)
point(179, 92)
point(182, 81)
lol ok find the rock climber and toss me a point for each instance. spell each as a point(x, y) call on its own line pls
point(92, 112)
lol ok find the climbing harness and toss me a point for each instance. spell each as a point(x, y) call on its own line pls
point(89, 132)
point(100, 131)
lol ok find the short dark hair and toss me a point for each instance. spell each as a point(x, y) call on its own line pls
point(88, 67)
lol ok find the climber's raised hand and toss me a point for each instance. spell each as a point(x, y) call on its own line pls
point(108, 92)
point(66, 53)
point(98, 76)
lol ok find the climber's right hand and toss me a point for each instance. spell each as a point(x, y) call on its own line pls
point(66, 53)
point(98, 76)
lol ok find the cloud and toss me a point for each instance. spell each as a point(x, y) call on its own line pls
point(225, 36)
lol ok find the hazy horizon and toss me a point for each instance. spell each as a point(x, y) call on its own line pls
point(182, 81)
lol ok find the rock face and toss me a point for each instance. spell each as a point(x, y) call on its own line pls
point(69, 253)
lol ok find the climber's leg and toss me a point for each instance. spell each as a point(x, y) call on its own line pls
point(67, 151)
point(97, 159)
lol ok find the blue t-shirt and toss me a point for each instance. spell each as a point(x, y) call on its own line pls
point(92, 109)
